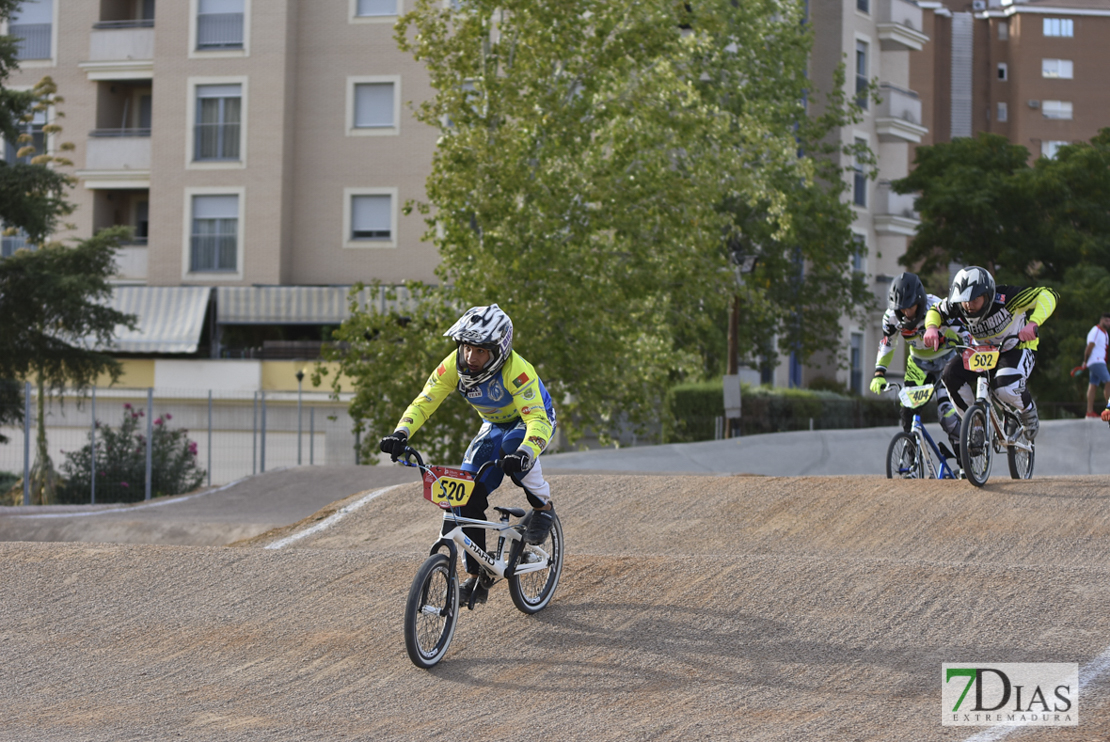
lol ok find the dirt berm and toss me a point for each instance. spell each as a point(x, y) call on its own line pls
point(691, 608)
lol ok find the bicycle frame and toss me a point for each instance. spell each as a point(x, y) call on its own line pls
point(510, 536)
point(498, 565)
point(996, 428)
point(935, 461)
point(938, 467)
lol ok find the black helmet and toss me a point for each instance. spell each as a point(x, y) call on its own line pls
point(906, 291)
point(968, 284)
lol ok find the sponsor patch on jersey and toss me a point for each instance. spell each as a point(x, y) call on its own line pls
point(529, 394)
point(537, 441)
point(407, 420)
point(441, 370)
point(1001, 298)
point(521, 380)
point(474, 394)
point(525, 410)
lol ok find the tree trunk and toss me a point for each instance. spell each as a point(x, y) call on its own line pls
point(44, 480)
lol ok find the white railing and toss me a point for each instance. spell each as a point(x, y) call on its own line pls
point(119, 44)
point(118, 153)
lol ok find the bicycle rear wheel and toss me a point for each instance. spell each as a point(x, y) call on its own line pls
point(1021, 462)
point(431, 611)
point(904, 459)
point(975, 446)
point(532, 591)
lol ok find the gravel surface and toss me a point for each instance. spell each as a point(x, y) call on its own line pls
point(691, 608)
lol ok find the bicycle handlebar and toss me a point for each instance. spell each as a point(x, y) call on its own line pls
point(405, 459)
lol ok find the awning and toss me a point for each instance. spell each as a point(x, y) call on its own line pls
point(169, 318)
point(295, 305)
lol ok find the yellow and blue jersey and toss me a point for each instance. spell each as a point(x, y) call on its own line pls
point(512, 395)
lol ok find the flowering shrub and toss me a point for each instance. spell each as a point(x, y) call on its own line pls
point(121, 462)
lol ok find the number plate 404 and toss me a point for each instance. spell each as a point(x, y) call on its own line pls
point(448, 488)
point(982, 358)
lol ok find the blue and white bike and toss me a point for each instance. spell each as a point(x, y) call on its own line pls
point(914, 455)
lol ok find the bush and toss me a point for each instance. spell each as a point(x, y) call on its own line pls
point(121, 463)
point(694, 408)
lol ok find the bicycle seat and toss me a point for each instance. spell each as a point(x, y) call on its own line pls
point(515, 512)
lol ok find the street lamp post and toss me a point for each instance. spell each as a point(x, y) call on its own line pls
point(742, 263)
point(300, 378)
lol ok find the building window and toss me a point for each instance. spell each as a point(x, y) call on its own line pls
point(862, 76)
point(1003, 71)
point(214, 240)
point(369, 8)
point(1003, 111)
point(863, 6)
point(38, 140)
point(859, 179)
point(369, 216)
point(855, 381)
point(373, 105)
point(219, 113)
point(1056, 68)
point(9, 243)
point(1056, 109)
point(220, 24)
point(1059, 27)
point(1003, 30)
point(1050, 148)
point(32, 23)
point(859, 252)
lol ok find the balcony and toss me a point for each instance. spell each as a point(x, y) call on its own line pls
point(900, 26)
point(898, 117)
point(131, 263)
point(893, 212)
point(117, 158)
point(121, 51)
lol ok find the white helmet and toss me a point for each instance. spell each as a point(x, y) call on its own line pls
point(482, 327)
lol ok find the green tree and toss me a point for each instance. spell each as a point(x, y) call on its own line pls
point(589, 155)
point(1045, 224)
point(977, 205)
point(52, 300)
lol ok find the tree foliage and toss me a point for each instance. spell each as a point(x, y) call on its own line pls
point(1046, 224)
point(597, 163)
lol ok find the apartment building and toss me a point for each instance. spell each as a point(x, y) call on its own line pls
point(875, 40)
point(1036, 71)
point(248, 144)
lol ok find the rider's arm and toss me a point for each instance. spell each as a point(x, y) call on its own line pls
point(529, 399)
point(1041, 300)
point(440, 384)
point(886, 344)
point(934, 317)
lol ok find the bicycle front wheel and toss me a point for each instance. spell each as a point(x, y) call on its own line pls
point(904, 459)
point(975, 445)
point(1021, 462)
point(431, 611)
point(532, 591)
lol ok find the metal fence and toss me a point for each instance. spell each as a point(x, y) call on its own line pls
point(235, 434)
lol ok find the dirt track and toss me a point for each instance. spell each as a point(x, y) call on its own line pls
point(691, 608)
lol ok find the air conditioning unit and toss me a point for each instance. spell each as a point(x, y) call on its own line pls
point(1034, 104)
point(978, 4)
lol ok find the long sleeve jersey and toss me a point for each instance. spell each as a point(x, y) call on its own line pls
point(1013, 308)
point(511, 395)
point(915, 339)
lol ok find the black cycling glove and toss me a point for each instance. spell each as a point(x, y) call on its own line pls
point(394, 444)
point(516, 463)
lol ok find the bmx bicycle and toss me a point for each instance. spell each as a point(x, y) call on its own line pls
point(532, 571)
point(914, 455)
point(990, 425)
